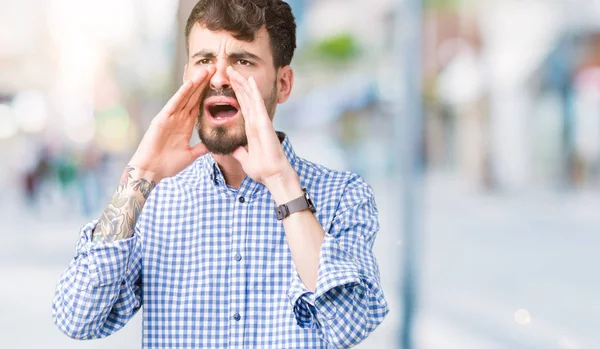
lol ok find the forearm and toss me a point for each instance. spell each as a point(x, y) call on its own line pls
point(304, 232)
point(93, 311)
point(344, 316)
point(348, 303)
point(120, 216)
point(99, 291)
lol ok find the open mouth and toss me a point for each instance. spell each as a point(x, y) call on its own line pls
point(222, 110)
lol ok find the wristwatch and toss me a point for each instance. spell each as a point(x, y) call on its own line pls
point(302, 203)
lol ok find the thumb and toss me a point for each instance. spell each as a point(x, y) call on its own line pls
point(198, 150)
point(240, 154)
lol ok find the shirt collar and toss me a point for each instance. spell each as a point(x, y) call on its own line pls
point(213, 172)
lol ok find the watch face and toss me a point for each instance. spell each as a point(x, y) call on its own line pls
point(311, 206)
point(310, 203)
point(307, 196)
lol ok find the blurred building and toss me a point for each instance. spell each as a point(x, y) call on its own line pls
point(488, 118)
point(78, 75)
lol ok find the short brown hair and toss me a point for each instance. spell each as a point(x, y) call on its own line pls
point(244, 17)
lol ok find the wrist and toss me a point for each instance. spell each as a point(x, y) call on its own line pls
point(284, 187)
point(143, 167)
point(139, 173)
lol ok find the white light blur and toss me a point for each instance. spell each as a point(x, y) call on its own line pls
point(79, 61)
point(160, 18)
point(512, 26)
point(114, 128)
point(565, 342)
point(8, 126)
point(522, 317)
point(111, 21)
point(81, 131)
point(461, 81)
point(31, 111)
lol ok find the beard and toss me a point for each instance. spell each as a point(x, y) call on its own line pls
point(223, 140)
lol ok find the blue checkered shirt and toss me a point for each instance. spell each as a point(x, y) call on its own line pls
point(212, 268)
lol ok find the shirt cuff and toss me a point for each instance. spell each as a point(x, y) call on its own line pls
point(337, 270)
point(101, 264)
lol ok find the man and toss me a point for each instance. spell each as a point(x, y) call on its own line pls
point(229, 250)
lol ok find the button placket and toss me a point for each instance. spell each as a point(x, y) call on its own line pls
point(237, 269)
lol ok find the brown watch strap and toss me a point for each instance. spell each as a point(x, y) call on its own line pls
point(299, 204)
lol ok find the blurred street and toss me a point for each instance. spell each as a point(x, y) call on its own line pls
point(509, 271)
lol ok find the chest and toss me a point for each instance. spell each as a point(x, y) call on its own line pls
point(218, 243)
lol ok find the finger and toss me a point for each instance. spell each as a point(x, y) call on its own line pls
point(241, 82)
point(262, 127)
point(197, 81)
point(246, 110)
point(243, 97)
point(193, 96)
point(245, 92)
point(198, 150)
point(200, 82)
point(178, 98)
point(262, 116)
point(241, 155)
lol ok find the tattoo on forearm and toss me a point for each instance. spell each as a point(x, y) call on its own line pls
point(143, 186)
point(120, 216)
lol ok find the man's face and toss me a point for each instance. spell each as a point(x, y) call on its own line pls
point(220, 123)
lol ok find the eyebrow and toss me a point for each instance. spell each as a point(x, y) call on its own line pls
point(245, 55)
point(235, 55)
point(203, 53)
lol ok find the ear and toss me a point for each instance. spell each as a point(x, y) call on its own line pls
point(285, 81)
point(185, 73)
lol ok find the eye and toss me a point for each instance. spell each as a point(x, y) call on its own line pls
point(203, 61)
point(244, 62)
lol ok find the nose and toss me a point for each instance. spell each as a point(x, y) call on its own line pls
point(220, 80)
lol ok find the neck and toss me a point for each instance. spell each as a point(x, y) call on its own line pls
point(232, 170)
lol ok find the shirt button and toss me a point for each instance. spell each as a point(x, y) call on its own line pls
point(242, 199)
point(237, 317)
point(238, 257)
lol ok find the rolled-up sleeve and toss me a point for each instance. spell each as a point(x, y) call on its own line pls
point(101, 288)
point(348, 303)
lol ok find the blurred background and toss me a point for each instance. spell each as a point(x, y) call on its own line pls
point(476, 122)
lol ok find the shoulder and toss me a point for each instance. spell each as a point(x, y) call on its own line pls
point(186, 186)
point(171, 194)
point(193, 176)
point(334, 191)
point(322, 178)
